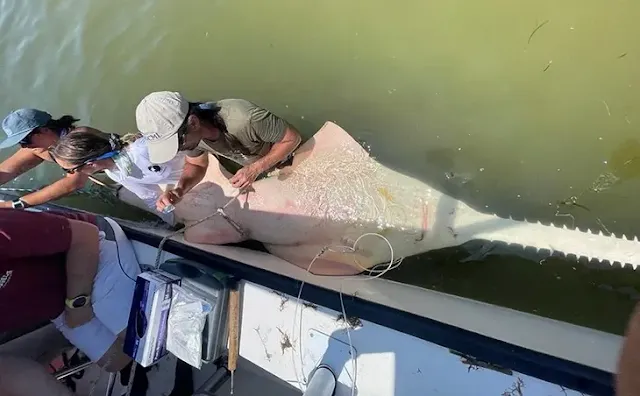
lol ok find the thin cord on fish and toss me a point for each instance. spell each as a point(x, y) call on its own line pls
point(392, 264)
point(218, 212)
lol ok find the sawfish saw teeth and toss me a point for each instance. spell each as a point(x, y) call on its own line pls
point(585, 245)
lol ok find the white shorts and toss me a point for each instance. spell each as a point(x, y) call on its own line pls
point(111, 296)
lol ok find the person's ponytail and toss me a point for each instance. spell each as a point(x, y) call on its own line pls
point(64, 123)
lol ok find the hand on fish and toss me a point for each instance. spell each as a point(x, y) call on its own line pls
point(169, 197)
point(245, 176)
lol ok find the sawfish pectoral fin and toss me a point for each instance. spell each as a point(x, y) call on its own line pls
point(212, 236)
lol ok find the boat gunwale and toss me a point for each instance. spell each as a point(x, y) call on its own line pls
point(572, 375)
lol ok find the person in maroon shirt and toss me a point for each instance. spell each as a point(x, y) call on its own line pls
point(76, 270)
point(34, 248)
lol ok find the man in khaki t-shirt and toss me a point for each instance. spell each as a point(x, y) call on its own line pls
point(232, 129)
point(250, 131)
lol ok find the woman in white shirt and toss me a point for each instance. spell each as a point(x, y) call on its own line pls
point(124, 159)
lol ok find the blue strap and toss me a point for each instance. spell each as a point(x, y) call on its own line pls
point(206, 106)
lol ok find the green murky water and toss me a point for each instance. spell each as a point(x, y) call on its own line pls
point(461, 95)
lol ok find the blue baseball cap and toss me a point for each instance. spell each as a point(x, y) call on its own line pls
point(19, 123)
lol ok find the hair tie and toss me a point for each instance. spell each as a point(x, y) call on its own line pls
point(113, 141)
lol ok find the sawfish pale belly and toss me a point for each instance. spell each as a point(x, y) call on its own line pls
point(347, 194)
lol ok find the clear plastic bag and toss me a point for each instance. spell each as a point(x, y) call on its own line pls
point(185, 324)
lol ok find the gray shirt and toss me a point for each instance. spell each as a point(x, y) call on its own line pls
point(250, 132)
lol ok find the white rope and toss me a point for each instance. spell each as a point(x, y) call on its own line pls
point(218, 212)
point(392, 264)
point(352, 352)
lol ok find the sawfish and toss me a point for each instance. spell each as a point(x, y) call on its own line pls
point(335, 202)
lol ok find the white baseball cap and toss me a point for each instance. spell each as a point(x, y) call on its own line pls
point(159, 115)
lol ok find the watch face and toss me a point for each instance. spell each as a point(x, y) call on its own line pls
point(79, 302)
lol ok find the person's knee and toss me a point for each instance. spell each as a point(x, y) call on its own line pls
point(23, 377)
point(10, 366)
point(115, 359)
point(5, 369)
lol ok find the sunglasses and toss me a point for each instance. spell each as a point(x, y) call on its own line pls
point(26, 141)
point(70, 171)
point(182, 131)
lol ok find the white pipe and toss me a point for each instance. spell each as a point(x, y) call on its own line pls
point(322, 382)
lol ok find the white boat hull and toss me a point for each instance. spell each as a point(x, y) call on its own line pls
point(386, 362)
point(392, 361)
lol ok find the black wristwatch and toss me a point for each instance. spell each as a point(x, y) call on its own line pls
point(18, 204)
point(78, 301)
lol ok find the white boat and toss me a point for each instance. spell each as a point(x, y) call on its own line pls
point(378, 337)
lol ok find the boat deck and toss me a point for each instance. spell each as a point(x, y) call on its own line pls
point(249, 380)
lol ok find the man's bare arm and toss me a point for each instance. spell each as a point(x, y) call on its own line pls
point(279, 151)
point(194, 170)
